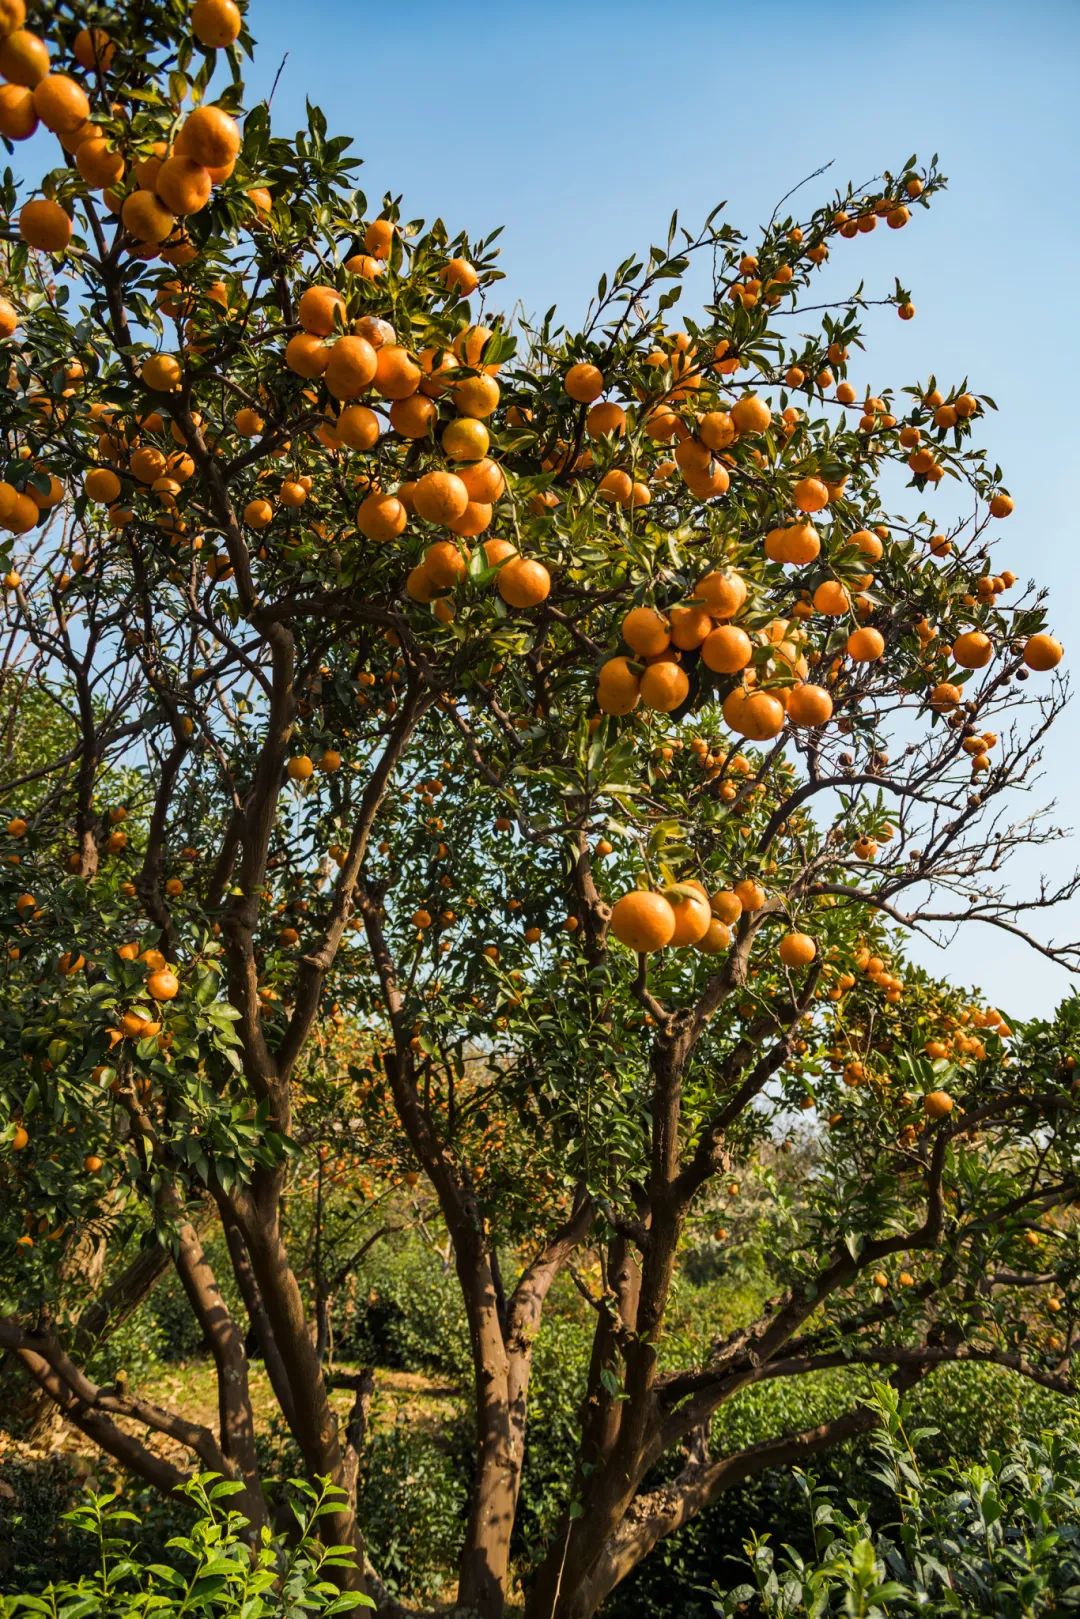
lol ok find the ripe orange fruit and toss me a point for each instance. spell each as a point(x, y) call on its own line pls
point(642, 921)
point(751, 415)
point(24, 58)
point(358, 427)
point(93, 49)
point(161, 372)
point(100, 165)
point(937, 1104)
point(1001, 504)
point(379, 238)
point(809, 705)
point(617, 486)
point(832, 599)
point(18, 120)
point(102, 485)
point(522, 582)
point(381, 517)
point(21, 518)
point(796, 544)
point(605, 418)
point(716, 938)
point(44, 224)
point(320, 309)
point(646, 632)
point(584, 383)
point(147, 463)
point(307, 355)
point(751, 895)
point(351, 367)
point(466, 439)
point(689, 627)
point(147, 219)
point(92, 1163)
point(20, 1138)
point(445, 564)
point(664, 686)
point(1042, 652)
point(690, 903)
point(618, 687)
point(163, 984)
point(869, 544)
point(972, 650)
point(209, 136)
point(215, 23)
point(476, 396)
point(810, 495)
point(418, 586)
point(723, 593)
point(258, 513)
point(440, 497)
point(726, 650)
point(473, 521)
point(470, 343)
point(458, 275)
point(716, 430)
point(60, 103)
point(183, 185)
point(797, 950)
point(397, 374)
point(292, 493)
point(484, 480)
point(757, 715)
point(300, 767)
point(726, 906)
point(412, 417)
point(865, 645)
point(693, 459)
point(12, 16)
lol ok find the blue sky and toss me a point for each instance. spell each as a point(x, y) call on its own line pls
point(579, 127)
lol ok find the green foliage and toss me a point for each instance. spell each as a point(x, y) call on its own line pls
point(957, 1417)
point(213, 1571)
point(406, 1311)
point(1000, 1537)
point(411, 1502)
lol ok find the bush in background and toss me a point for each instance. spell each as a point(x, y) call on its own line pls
point(998, 1537)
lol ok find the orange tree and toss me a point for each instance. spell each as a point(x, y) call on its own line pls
point(572, 712)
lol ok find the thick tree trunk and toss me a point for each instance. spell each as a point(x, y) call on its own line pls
point(236, 1420)
point(485, 1557)
point(312, 1420)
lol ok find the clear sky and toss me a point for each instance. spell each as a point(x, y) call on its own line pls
point(580, 126)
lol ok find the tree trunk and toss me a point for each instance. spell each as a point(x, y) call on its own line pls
point(485, 1557)
point(312, 1420)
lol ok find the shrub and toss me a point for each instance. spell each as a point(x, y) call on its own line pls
point(959, 1414)
point(409, 1313)
point(212, 1573)
point(411, 1501)
point(997, 1537)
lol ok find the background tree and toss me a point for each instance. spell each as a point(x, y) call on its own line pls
point(579, 724)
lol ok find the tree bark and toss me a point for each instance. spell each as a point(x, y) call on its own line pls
point(313, 1423)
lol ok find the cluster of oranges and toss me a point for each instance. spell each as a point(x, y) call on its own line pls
point(169, 185)
point(686, 914)
point(363, 358)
